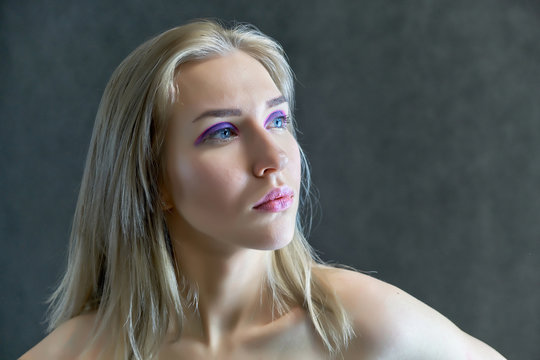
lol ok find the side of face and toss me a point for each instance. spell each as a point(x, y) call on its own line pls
point(227, 146)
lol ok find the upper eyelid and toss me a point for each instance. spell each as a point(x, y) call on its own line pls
point(222, 125)
point(215, 127)
point(274, 114)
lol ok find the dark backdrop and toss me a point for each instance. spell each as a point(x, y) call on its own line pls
point(420, 118)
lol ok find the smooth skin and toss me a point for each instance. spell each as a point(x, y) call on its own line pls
point(210, 188)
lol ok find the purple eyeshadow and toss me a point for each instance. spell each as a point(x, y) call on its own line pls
point(274, 115)
point(216, 127)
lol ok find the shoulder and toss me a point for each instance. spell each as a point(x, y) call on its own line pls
point(70, 340)
point(393, 324)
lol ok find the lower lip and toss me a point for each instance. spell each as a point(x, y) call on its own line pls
point(277, 205)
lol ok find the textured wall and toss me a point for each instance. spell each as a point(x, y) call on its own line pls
point(421, 120)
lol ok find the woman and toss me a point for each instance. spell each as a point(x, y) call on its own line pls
point(187, 241)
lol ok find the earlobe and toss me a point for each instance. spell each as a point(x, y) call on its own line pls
point(166, 205)
point(165, 201)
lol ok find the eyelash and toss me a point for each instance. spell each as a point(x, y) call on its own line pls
point(278, 115)
point(214, 131)
point(208, 135)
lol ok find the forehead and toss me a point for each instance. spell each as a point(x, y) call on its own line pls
point(224, 80)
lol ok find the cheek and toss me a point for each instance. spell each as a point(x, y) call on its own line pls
point(295, 162)
point(205, 183)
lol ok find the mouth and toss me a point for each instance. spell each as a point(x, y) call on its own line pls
point(276, 200)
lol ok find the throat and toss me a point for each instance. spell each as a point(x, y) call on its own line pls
point(229, 295)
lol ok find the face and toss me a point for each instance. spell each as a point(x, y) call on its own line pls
point(232, 165)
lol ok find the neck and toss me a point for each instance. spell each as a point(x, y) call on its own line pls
point(230, 289)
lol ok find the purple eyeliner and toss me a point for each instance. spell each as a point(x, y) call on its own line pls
point(216, 127)
point(274, 115)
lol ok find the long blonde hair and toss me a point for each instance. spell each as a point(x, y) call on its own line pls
point(121, 261)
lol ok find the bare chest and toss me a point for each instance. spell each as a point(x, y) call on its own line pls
point(195, 353)
point(297, 343)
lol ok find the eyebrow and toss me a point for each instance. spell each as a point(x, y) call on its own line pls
point(237, 112)
point(276, 101)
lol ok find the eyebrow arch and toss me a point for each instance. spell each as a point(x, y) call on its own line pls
point(219, 113)
point(237, 112)
point(276, 101)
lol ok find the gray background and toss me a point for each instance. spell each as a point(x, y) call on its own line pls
point(420, 118)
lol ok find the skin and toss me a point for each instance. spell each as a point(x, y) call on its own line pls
point(223, 243)
point(211, 188)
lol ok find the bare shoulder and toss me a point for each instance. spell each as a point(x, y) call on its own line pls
point(70, 340)
point(393, 324)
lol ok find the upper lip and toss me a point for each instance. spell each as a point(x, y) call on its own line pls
point(274, 194)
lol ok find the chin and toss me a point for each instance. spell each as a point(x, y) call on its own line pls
point(277, 241)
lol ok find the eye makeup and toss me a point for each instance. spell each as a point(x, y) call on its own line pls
point(214, 130)
point(275, 115)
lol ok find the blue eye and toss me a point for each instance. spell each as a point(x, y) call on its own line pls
point(221, 132)
point(277, 120)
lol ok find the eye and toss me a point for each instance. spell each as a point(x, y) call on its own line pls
point(221, 132)
point(277, 120)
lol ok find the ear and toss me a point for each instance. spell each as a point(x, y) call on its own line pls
point(166, 205)
point(165, 199)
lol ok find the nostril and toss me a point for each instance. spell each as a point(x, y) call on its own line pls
point(271, 163)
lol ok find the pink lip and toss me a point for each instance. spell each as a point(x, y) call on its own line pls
point(276, 200)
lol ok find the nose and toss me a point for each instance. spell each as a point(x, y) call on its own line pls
point(269, 157)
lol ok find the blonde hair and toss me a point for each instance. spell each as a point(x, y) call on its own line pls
point(121, 262)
